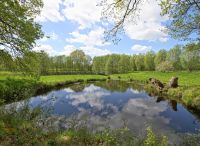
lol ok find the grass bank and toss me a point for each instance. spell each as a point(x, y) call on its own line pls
point(188, 91)
point(185, 78)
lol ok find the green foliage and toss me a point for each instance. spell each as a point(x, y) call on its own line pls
point(184, 17)
point(160, 57)
point(112, 64)
point(175, 92)
point(19, 31)
point(124, 64)
point(191, 97)
point(132, 63)
point(152, 140)
point(139, 61)
point(165, 66)
point(149, 61)
point(13, 90)
point(173, 56)
point(190, 58)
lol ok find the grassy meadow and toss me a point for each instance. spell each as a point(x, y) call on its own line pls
point(185, 78)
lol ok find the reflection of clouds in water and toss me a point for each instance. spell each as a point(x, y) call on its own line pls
point(68, 90)
point(91, 95)
point(137, 114)
point(134, 91)
point(144, 107)
point(102, 107)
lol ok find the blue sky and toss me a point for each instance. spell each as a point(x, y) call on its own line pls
point(76, 24)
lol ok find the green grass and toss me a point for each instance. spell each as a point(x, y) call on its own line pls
point(185, 78)
point(62, 78)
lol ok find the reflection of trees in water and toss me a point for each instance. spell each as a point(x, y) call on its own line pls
point(122, 86)
point(119, 86)
point(78, 87)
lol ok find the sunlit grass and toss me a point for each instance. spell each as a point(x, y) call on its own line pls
point(185, 78)
point(63, 78)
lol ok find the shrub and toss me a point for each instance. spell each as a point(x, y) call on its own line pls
point(12, 90)
point(191, 97)
point(175, 92)
point(165, 66)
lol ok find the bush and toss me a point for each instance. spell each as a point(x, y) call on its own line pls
point(175, 92)
point(165, 66)
point(191, 97)
point(13, 90)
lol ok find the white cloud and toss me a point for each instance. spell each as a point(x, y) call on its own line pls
point(149, 25)
point(93, 38)
point(46, 48)
point(90, 42)
point(140, 49)
point(91, 51)
point(50, 11)
point(84, 12)
point(68, 49)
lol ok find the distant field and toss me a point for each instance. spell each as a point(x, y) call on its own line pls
point(61, 78)
point(185, 78)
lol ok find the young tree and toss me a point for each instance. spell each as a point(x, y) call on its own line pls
point(124, 64)
point(132, 63)
point(160, 57)
point(149, 61)
point(44, 62)
point(112, 64)
point(139, 62)
point(174, 57)
point(165, 66)
point(190, 58)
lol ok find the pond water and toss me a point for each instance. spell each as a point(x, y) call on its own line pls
point(115, 103)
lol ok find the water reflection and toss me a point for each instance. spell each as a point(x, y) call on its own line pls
point(111, 103)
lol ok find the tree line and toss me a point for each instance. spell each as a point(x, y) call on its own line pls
point(177, 58)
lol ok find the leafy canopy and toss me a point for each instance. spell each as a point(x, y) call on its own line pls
point(18, 30)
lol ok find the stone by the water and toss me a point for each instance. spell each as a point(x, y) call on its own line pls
point(173, 83)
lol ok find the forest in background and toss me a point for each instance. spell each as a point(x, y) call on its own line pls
point(178, 58)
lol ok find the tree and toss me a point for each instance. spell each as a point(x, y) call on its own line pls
point(119, 11)
point(190, 58)
point(44, 62)
point(124, 64)
point(112, 64)
point(160, 57)
point(174, 57)
point(185, 18)
point(149, 61)
point(18, 30)
point(29, 63)
point(139, 62)
point(96, 65)
point(132, 63)
point(81, 62)
point(165, 66)
point(6, 61)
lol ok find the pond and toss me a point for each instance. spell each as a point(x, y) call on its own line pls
point(117, 103)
